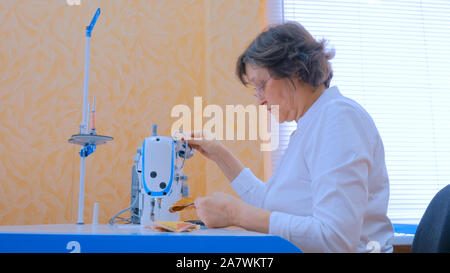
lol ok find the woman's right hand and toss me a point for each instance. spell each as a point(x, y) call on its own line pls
point(206, 143)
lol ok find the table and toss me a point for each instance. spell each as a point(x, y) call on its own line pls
point(103, 238)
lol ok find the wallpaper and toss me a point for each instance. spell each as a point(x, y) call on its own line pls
point(146, 57)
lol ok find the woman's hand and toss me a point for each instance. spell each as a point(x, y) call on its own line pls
point(222, 210)
point(206, 144)
point(213, 149)
point(219, 209)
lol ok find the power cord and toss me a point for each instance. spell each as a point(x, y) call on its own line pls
point(113, 220)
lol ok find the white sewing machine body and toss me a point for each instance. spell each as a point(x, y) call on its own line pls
point(158, 179)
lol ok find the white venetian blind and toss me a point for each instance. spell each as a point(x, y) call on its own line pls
point(275, 15)
point(393, 57)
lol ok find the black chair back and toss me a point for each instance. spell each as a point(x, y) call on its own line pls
point(433, 231)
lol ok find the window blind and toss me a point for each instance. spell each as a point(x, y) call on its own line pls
point(392, 57)
point(275, 15)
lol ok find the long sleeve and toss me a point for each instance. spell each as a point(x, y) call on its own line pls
point(249, 187)
point(338, 157)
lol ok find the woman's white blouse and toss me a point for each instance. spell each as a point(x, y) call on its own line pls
point(330, 190)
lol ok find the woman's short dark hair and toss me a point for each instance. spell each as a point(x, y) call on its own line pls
point(287, 50)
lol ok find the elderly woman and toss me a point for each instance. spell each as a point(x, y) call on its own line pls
point(330, 190)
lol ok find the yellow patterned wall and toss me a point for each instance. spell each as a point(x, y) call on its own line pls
point(146, 57)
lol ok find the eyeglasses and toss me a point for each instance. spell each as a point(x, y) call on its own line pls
point(260, 90)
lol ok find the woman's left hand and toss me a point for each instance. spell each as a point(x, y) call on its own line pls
point(219, 209)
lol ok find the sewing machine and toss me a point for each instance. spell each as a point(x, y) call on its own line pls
point(157, 179)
